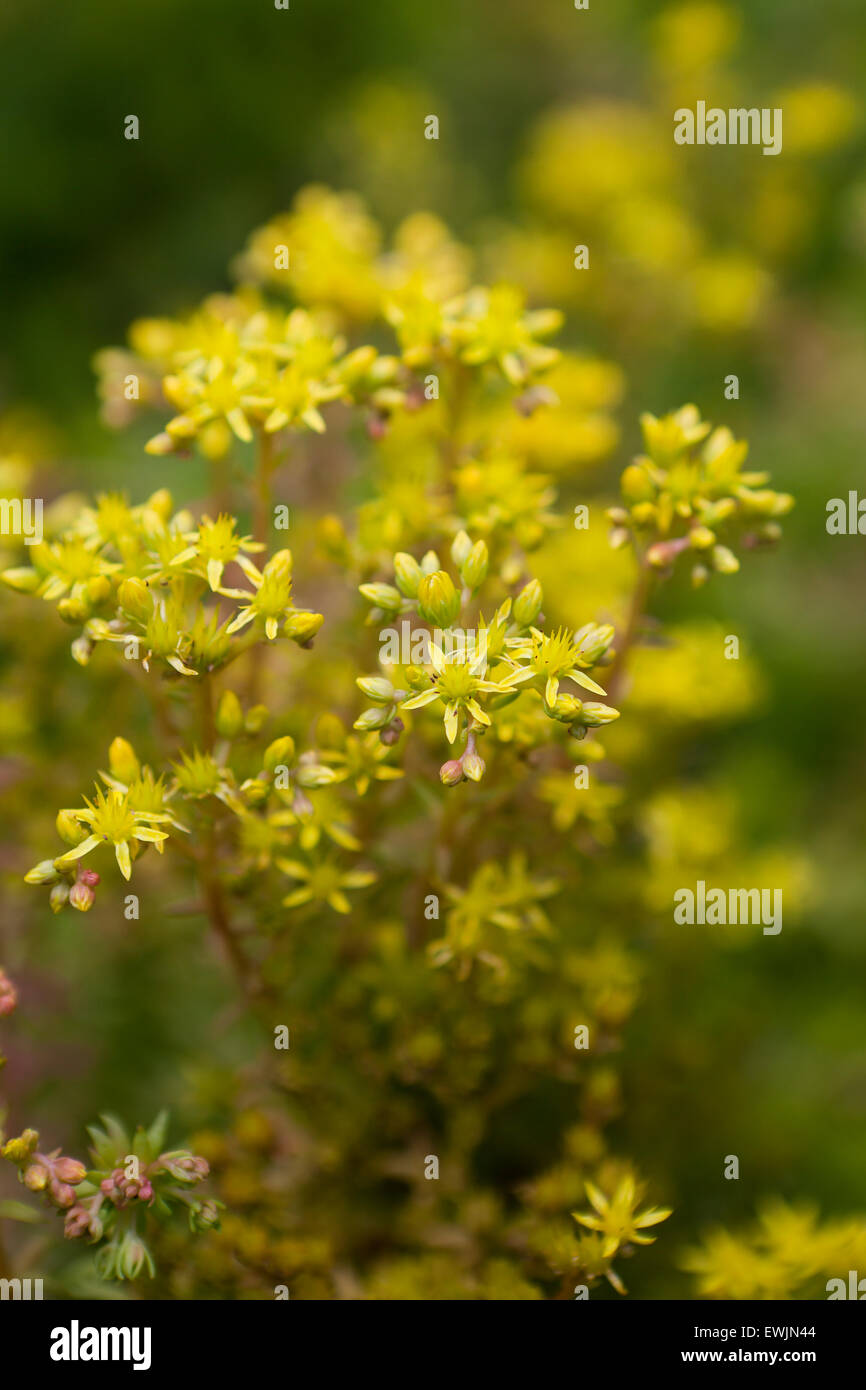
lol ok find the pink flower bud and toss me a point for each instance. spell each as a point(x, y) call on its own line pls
point(70, 1170)
point(62, 1194)
point(81, 896)
point(451, 773)
point(36, 1177)
point(8, 995)
point(76, 1222)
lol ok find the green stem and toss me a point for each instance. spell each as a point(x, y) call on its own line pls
point(262, 487)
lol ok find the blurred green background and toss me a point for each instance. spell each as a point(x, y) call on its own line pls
point(555, 129)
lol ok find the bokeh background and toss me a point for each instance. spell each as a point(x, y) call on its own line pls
point(555, 129)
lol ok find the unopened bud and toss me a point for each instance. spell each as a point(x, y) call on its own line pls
point(636, 484)
point(527, 605)
point(451, 773)
point(473, 570)
point(372, 719)
point(70, 1170)
point(42, 873)
point(376, 688)
point(407, 573)
point(474, 766)
point(302, 627)
point(384, 596)
point(229, 715)
point(724, 560)
point(281, 751)
point(81, 896)
point(123, 762)
point(438, 600)
point(135, 598)
point(58, 897)
point(594, 714)
point(36, 1177)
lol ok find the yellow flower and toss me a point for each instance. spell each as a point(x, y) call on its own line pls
point(216, 545)
point(113, 820)
point(272, 600)
point(617, 1217)
point(460, 677)
point(555, 657)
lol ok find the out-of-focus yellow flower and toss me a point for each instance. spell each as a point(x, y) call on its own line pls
point(695, 35)
point(818, 116)
point(323, 250)
point(729, 291)
point(323, 882)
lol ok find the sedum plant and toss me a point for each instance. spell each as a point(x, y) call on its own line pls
point(375, 807)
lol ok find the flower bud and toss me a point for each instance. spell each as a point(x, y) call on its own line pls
point(566, 708)
point(701, 537)
point(36, 1177)
point(19, 1150)
point(724, 560)
point(255, 719)
point(134, 1257)
point(527, 605)
point(123, 762)
point(58, 897)
point(70, 829)
point(376, 688)
point(391, 734)
point(73, 610)
point(315, 775)
point(474, 766)
point(160, 502)
point(473, 570)
point(229, 715)
point(384, 596)
point(593, 641)
point(461, 547)
point(8, 995)
point(42, 873)
point(407, 573)
point(663, 553)
point(76, 1222)
point(98, 589)
point(70, 1170)
point(594, 714)
point(636, 484)
point(23, 580)
point(302, 627)
point(451, 773)
point(81, 896)
point(253, 792)
point(82, 650)
point(438, 600)
point(372, 719)
point(644, 513)
point(135, 598)
point(281, 751)
point(206, 1216)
